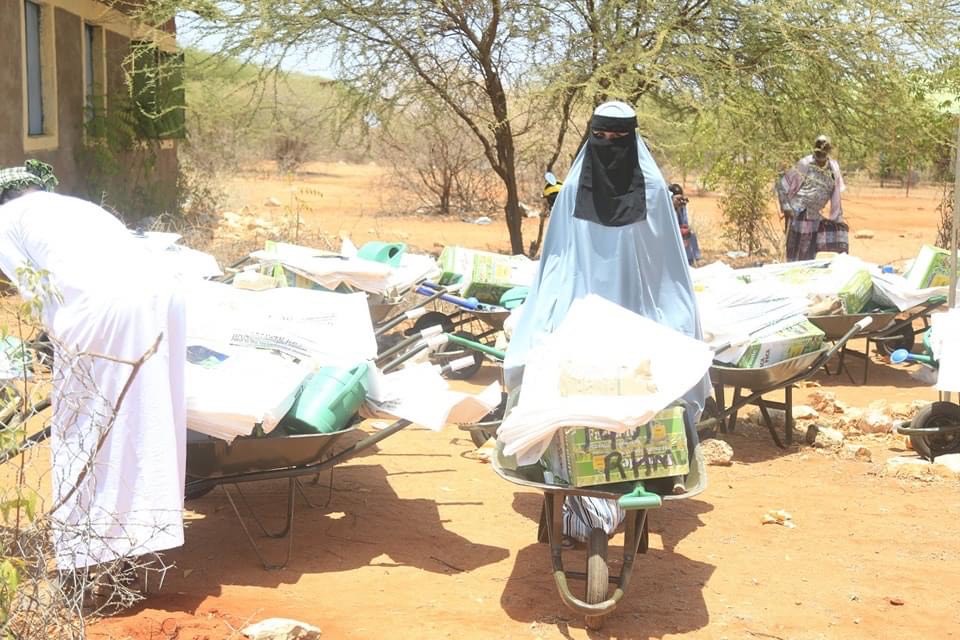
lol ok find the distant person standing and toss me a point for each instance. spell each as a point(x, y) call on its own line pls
point(803, 192)
point(690, 243)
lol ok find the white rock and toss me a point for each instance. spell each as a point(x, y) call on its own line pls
point(856, 452)
point(863, 234)
point(823, 401)
point(804, 412)
point(876, 422)
point(717, 452)
point(849, 420)
point(917, 468)
point(272, 202)
point(950, 460)
point(827, 437)
point(281, 629)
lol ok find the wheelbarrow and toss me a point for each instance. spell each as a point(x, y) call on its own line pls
point(935, 430)
point(891, 330)
point(635, 498)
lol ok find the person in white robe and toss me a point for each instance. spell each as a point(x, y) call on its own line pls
point(117, 476)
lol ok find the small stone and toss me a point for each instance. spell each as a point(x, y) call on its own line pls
point(281, 629)
point(828, 438)
point(849, 420)
point(717, 452)
point(863, 234)
point(272, 202)
point(856, 452)
point(875, 421)
point(823, 401)
point(897, 602)
point(804, 412)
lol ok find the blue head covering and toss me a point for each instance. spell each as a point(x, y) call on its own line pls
point(640, 266)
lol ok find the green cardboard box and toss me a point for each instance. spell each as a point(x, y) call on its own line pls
point(583, 456)
point(931, 268)
point(486, 276)
point(783, 344)
point(857, 292)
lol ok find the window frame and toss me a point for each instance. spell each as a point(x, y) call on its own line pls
point(49, 139)
point(95, 60)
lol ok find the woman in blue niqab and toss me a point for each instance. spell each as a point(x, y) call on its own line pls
point(613, 233)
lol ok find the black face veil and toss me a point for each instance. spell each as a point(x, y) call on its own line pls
point(611, 191)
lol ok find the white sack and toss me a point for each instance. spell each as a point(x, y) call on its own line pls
point(600, 335)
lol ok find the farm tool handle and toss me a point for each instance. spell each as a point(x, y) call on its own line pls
point(410, 314)
point(476, 346)
point(466, 303)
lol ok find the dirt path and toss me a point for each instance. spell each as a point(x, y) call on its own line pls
point(421, 540)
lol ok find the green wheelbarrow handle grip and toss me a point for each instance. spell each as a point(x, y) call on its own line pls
point(640, 498)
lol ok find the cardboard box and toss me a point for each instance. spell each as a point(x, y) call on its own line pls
point(854, 287)
point(485, 276)
point(583, 456)
point(857, 292)
point(931, 268)
point(787, 342)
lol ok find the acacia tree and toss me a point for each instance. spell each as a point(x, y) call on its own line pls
point(745, 78)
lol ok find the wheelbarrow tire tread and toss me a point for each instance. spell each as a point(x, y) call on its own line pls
point(598, 574)
point(930, 447)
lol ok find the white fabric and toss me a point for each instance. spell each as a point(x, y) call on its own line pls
point(945, 342)
point(113, 302)
point(599, 335)
point(177, 259)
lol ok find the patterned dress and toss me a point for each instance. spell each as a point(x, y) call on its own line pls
point(814, 193)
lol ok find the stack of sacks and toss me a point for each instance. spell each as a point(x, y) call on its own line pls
point(250, 352)
point(736, 306)
point(333, 270)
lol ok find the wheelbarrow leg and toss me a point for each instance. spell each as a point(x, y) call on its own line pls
point(287, 530)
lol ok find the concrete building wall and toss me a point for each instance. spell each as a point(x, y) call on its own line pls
point(145, 177)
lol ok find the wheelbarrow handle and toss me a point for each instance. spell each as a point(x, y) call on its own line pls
point(860, 325)
point(640, 498)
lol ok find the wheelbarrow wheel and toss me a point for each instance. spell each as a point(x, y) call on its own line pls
point(450, 352)
point(598, 574)
point(935, 416)
point(430, 319)
point(903, 338)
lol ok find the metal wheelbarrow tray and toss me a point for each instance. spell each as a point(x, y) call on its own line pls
point(212, 463)
point(891, 330)
point(763, 380)
point(598, 601)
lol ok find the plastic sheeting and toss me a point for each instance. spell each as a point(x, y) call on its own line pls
point(641, 267)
